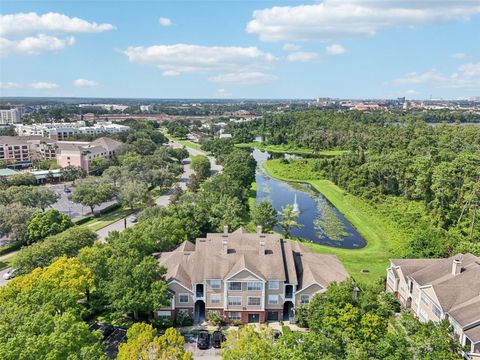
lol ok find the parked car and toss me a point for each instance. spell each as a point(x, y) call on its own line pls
point(203, 340)
point(217, 338)
point(9, 274)
point(67, 190)
point(134, 219)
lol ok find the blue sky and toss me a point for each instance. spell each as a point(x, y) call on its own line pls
point(241, 49)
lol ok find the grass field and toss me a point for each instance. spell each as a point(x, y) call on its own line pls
point(290, 149)
point(381, 235)
point(100, 222)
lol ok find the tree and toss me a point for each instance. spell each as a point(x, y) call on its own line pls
point(113, 173)
point(240, 165)
point(67, 243)
point(134, 194)
point(15, 219)
point(246, 343)
point(98, 164)
point(92, 192)
point(43, 319)
point(201, 165)
point(265, 215)
point(39, 197)
point(46, 223)
point(288, 219)
point(72, 173)
point(44, 197)
point(22, 179)
point(144, 344)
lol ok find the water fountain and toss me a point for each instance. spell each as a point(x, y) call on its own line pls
point(296, 208)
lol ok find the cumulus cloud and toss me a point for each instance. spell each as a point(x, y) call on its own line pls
point(32, 23)
point(335, 49)
point(466, 77)
point(243, 78)
point(32, 45)
point(291, 47)
point(165, 21)
point(334, 19)
point(85, 83)
point(302, 56)
point(43, 85)
point(31, 34)
point(225, 62)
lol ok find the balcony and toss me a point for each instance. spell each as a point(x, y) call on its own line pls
point(199, 292)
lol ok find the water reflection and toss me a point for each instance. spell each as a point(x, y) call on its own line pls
point(321, 222)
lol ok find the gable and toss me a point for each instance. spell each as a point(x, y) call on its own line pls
point(244, 275)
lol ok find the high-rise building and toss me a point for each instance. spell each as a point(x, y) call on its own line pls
point(11, 116)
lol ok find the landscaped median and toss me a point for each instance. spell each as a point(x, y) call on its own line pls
point(366, 264)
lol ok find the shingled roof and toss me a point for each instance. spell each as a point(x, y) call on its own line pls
point(267, 256)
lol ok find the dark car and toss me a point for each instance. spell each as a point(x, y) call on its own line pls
point(217, 338)
point(67, 190)
point(203, 340)
point(105, 329)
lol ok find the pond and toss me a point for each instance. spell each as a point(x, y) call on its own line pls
point(321, 222)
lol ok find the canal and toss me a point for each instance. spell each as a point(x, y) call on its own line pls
point(320, 221)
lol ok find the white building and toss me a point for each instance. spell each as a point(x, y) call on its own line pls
point(8, 117)
point(61, 131)
point(146, 108)
point(109, 107)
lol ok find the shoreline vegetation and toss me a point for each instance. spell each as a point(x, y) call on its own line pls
point(383, 239)
point(280, 149)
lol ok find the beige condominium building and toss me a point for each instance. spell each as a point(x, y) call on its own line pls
point(243, 276)
point(436, 289)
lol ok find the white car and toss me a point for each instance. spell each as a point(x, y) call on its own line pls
point(9, 274)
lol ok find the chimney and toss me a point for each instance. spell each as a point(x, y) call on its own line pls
point(259, 229)
point(456, 267)
point(225, 246)
point(225, 229)
point(261, 248)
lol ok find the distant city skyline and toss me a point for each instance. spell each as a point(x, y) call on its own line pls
point(241, 49)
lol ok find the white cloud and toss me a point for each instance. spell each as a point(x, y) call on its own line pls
point(302, 56)
point(291, 47)
point(243, 78)
point(458, 56)
point(223, 93)
point(32, 23)
point(33, 45)
point(334, 19)
point(335, 49)
point(228, 64)
point(85, 83)
point(165, 21)
point(43, 85)
point(170, 73)
point(466, 77)
point(9, 85)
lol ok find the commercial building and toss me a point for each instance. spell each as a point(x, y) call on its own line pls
point(10, 117)
point(248, 277)
point(63, 131)
point(109, 107)
point(146, 108)
point(437, 289)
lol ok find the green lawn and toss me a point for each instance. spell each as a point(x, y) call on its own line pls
point(100, 222)
point(186, 143)
point(289, 149)
point(382, 236)
point(6, 263)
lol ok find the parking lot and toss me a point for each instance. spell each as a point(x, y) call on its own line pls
point(191, 345)
point(68, 207)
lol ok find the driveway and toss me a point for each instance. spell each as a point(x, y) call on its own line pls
point(208, 354)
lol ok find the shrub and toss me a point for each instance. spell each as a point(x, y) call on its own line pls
point(183, 318)
point(214, 318)
point(236, 323)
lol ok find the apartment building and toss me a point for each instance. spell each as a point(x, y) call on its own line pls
point(81, 154)
point(15, 150)
point(63, 131)
point(436, 289)
point(248, 277)
point(10, 117)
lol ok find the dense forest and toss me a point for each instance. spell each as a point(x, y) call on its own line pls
point(436, 167)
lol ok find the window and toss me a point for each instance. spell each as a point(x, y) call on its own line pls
point(304, 299)
point(215, 299)
point(436, 311)
point(235, 286)
point(254, 301)
point(164, 314)
point(273, 285)
point(234, 316)
point(254, 286)
point(183, 298)
point(273, 299)
point(234, 301)
point(215, 284)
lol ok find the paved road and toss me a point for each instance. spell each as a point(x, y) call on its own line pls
point(163, 200)
point(2, 280)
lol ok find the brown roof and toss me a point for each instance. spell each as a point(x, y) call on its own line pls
point(474, 334)
point(276, 259)
point(106, 143)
